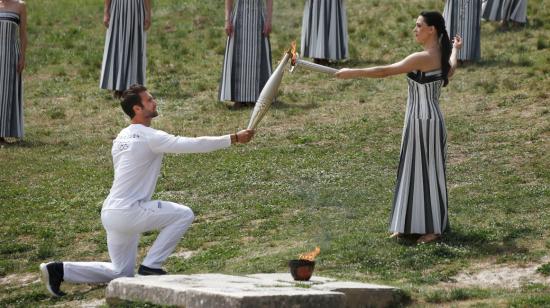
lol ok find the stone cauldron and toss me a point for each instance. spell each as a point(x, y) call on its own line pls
point(301, 270)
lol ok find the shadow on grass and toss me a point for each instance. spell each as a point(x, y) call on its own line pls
point(480, 242)
point(29, 299)
point(499, 62)
point(23, 144)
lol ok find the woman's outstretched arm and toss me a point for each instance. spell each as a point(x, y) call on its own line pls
point(415, 61)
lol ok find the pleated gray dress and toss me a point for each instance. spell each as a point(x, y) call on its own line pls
point(247, 61)
point(324, 30)
point(420, 199)
point(463, 17)
point(11, 86)
point(507, 10)
point(125, 46)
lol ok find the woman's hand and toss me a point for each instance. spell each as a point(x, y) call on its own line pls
point(267, 28)
point(147, 22)
point(106, 19)
point(228, 28)
point(345, 73)
point(457, 42)
point(21, 65)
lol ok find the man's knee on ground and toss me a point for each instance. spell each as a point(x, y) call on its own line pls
point(124, 272)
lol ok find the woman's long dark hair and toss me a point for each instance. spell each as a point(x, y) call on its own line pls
point(436, 20)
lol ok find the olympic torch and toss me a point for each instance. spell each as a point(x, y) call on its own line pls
point(268, 93)
point(272, 85)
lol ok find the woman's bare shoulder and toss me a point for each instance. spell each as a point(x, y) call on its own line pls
point(420, 54)
point(426, 60)
point(418, 58)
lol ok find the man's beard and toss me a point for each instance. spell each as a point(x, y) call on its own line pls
point(152, 114)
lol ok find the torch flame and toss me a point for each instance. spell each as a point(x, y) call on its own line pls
point(293, 53)
point(310, 256)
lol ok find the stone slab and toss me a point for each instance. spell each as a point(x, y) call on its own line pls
point(258, 290)
point(358, 294)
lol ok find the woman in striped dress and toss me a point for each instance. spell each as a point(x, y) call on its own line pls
point(324, 31)
point(13, 43)
point(125, 44)
point(420, 199)
point(463, 17)
point(505, 11)
point(247, 61)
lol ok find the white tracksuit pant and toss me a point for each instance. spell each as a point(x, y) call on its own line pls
point(124, 227)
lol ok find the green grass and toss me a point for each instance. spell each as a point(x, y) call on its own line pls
point(544, 269)
point(458, 294)
point(320, 170)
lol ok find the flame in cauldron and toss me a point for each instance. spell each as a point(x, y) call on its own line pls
point(310, 256)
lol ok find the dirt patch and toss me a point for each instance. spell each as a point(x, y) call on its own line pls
point(94, 303)
point(456, 158)
point(506, 276)
point(213, 217)
point(19, 280)
point(468, 303)
point(247, 239)
point(185, 254)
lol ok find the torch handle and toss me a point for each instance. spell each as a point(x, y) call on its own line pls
point(316, 67)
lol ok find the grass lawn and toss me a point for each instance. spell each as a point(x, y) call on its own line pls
point(320, 171)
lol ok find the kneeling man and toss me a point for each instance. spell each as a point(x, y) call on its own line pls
point(129, 211)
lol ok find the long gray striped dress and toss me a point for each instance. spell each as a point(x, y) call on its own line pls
point(324, 30)
point(463, 17)
point(247, 61)
point(125, 45)
point(420, 199)
point(514, 10)
point(11, 86)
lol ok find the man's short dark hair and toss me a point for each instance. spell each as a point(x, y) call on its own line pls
point(130, 98)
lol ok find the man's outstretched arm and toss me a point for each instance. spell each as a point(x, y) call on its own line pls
point(162, 142)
